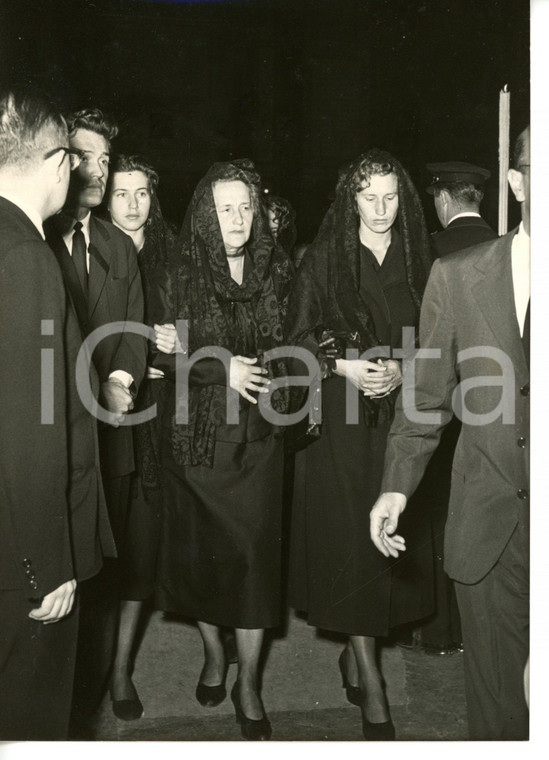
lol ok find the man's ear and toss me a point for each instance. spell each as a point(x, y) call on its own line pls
point(51, 168)
point(516, 183)
point(444, 197)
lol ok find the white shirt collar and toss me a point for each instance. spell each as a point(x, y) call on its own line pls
point(522, 238)
point(462, 214)
point(68, 222)
point(520, 265)
point(28, 210)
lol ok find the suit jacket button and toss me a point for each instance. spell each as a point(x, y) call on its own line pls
point(525, 389)
point(521, 443)
point(522, 494)
point(26, 563)
point(33, 584)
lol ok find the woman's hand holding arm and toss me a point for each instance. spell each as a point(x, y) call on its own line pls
point(167, 340)
point(153, 373)
point(244, 377)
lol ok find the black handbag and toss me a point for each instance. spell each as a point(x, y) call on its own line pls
point(332, 345)
point(297, 437)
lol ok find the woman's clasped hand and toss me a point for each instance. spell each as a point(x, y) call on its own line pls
point(374, 379)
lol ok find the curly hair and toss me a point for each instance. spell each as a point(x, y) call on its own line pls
point(285, 214)
point(93, 120)
point(374, 162)
point(410, 220)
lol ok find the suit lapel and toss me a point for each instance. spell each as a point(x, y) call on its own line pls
point(494, 293)
point(72, 283)
point(99, 263)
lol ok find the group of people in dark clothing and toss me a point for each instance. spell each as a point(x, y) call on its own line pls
point(195, 349)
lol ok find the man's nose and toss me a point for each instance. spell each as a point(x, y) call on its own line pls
point(97, 170)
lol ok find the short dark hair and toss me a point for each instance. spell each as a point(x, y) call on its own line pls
point(520, 148)
point(93, 120)
point(123, 163)
point(24, 118)
point(462, 193)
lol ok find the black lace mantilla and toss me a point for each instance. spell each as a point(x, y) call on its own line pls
point(325, 293)
point(200, 285)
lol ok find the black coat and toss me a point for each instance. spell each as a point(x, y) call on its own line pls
point(462, 233)
point(53, 520)
point(115, 294)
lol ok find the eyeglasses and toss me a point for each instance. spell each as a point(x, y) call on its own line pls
point(75, 156)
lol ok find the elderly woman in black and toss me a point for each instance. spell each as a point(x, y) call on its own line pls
point(360, 283)
point(220, 545)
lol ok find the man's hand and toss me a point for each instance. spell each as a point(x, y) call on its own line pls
point(116, 398)
point(55, 605)
point(244, 377)
point(383, 523)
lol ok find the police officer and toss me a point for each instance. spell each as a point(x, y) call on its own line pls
point(458, 189)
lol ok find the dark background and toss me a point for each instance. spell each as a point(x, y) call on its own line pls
point(299, 86)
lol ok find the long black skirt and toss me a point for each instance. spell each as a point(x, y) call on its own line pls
point(220, 548)
point(337, 576)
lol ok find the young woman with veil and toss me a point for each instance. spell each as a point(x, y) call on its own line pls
point(220, 546)
point(360, 282)
point(133, 207)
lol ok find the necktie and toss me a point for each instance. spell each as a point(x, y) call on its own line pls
point(79, 256)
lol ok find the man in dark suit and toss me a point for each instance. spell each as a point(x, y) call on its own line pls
point(53, 521)
point(476, 312)
point(101, 274)
point(458, 190)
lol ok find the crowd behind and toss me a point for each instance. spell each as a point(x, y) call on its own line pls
point(102, 518)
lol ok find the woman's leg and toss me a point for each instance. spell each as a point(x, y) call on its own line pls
point(248, 645)
point(122, 686)
point(374, 707)
point(213, 672)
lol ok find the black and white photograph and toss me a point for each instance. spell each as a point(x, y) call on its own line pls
point(265, 435)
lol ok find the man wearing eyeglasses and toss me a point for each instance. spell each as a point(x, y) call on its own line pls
point(53, 521)
point(101, 274)
point(476, 312)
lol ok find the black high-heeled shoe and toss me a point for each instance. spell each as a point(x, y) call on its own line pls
point(378, 732)
point(210, 696)
point(253, 730)
point(352, 692)
point(127, 709)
